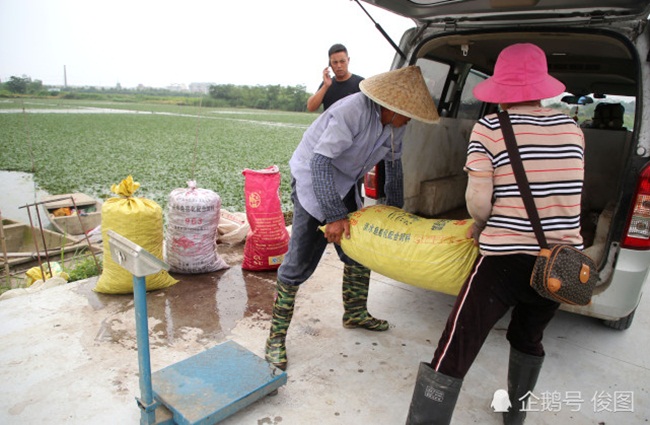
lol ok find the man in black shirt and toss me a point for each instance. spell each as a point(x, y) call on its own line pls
point(342, 84)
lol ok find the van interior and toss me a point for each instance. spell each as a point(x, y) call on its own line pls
point(601, 75)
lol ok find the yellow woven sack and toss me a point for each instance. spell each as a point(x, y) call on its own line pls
point(34, 274)
point(141, 221)
point(429, 253)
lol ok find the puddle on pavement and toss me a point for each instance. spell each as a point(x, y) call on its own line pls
point(211, 302)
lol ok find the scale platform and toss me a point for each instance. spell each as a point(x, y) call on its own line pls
point(214, 384)
point(203, 389)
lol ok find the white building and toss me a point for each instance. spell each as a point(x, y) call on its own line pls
point(200, 87)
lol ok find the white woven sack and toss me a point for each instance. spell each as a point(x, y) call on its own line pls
point(192, 222)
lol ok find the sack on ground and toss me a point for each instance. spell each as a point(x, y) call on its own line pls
point(429, 253)
point(268, 238)
point(233, 227)
point(36, 273)
point(564, 274)
point(141, 221)
point(191, 238)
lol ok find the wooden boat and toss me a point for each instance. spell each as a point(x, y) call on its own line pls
point(20, 246)
point(61, 212)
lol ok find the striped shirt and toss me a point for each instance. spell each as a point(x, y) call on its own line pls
point(551, 146)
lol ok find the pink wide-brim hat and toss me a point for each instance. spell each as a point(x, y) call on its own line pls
point(520, 75)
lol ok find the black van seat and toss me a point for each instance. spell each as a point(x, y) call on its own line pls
point(608, 116)
point(605, 155)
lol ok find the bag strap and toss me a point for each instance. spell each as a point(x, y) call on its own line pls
point(520, 176)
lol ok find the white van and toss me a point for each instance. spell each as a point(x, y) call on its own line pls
point(601, 51)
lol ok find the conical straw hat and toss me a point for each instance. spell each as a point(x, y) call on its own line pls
point(403, 91)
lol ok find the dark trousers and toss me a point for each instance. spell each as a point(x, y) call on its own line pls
point(496, 284)
point(307, 243)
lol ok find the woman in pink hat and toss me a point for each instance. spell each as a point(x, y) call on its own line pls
point(552, 148)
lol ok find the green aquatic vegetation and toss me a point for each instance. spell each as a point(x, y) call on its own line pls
point(162, 147)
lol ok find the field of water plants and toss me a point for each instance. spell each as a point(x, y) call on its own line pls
point(86, 146)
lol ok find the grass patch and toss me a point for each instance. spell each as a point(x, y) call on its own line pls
point(83, 268)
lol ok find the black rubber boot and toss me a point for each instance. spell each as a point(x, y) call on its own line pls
point(434, 397)
point(523, 371)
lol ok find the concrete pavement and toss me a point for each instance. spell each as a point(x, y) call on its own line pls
point(69, 355)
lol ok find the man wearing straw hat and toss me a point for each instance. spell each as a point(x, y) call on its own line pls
point(343, 144)
point(552, 149)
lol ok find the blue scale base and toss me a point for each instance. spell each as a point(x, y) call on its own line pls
point(212, 385)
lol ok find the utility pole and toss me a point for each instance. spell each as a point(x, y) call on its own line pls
point(65, 78)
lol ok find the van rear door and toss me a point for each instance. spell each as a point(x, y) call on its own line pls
point(481, 13)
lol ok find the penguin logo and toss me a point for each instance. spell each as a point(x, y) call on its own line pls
point(501, 401)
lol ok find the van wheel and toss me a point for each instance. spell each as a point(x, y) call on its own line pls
point(622, 323)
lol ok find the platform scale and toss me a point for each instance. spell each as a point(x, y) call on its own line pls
point(203, 389)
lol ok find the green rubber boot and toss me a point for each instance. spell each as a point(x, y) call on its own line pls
point(276, 350)
point(356, 282)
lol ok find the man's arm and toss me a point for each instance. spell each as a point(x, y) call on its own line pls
point(316, 99)
point(336, 214)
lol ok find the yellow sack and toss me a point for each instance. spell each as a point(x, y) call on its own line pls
point(34, 274)
point(139, 220)
point(429, 253)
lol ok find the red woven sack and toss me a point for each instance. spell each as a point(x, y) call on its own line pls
point(268, 238)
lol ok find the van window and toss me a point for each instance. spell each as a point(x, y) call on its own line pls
point(605, 112)
point(435, 75)
point(470, 107)
point(613, 113)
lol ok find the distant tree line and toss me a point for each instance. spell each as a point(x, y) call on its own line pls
point(23, 85)
point(290, 98)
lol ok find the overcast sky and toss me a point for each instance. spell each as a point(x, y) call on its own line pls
point(158, 43)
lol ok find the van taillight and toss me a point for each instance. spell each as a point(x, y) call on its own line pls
point(637, 235)
point(370, 184)
point(373, 182)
